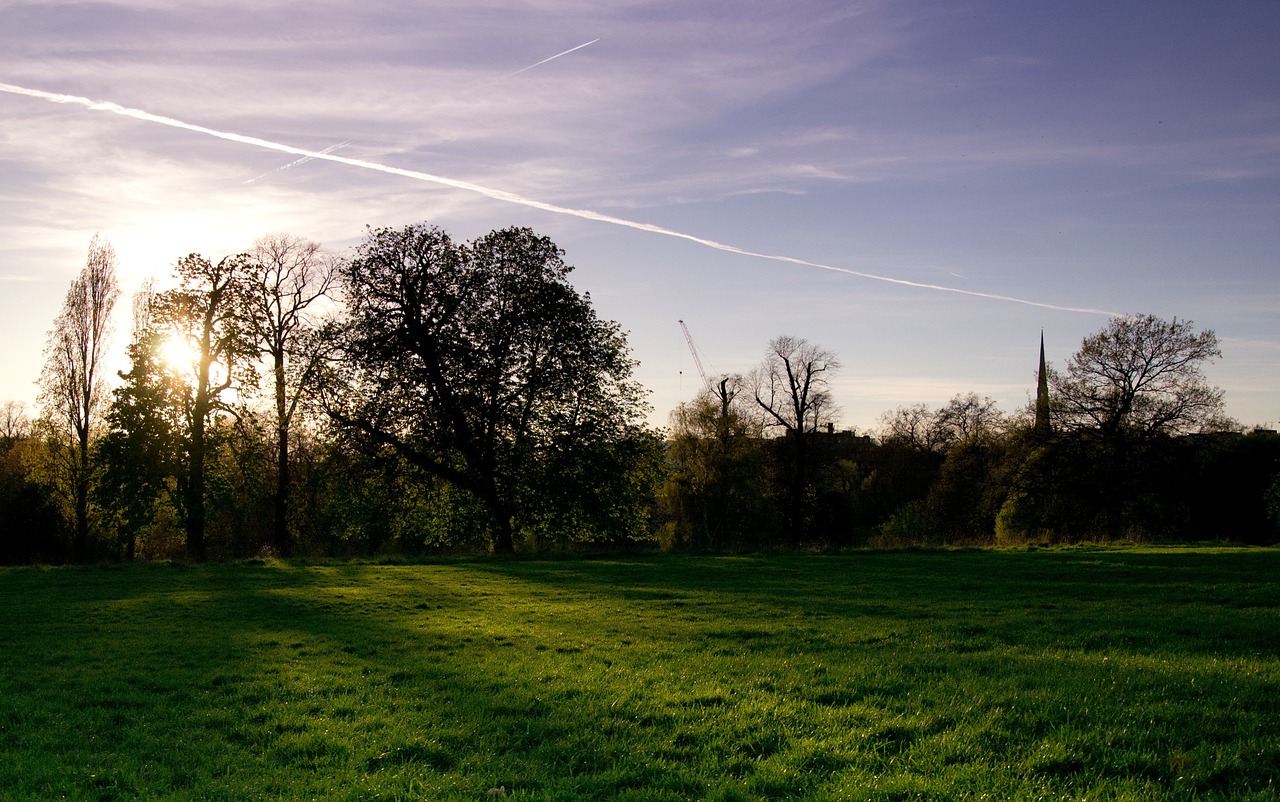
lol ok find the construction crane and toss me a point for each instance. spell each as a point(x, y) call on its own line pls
point(697, 360)
point(723, 392)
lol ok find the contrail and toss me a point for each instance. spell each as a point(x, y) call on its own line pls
point(510, 197)
point(305, 159)
point(550, 58)
point(296, 162)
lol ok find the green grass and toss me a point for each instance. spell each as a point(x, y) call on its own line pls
point(1082, 674)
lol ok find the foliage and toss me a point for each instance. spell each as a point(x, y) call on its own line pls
point(465, 395)
point(1273, 503)
point(480, 364)
point(207, 312)
point(141, 455)
point(910, 525)
point(1139, 377)
point(1083, 673)
point(965, 418)
point(716, 492)
point(32, 526)
point(972, 484)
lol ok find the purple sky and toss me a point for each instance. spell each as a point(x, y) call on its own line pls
point(1084, 156)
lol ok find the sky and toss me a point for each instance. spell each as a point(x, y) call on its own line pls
point(920, 186)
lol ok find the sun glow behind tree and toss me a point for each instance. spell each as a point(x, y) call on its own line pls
point(178, 353)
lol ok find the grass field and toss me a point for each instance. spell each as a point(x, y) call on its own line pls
point(1081, 674)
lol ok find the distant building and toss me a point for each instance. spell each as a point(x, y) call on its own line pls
point(1042, 428)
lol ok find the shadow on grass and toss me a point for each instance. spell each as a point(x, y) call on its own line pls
point(1220, 602)
point(653, 677)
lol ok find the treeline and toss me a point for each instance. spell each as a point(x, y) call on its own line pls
point(1129, 443)
point(424, 395)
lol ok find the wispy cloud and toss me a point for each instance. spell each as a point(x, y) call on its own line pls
point(510, 197)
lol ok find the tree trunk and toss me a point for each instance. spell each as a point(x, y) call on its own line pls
point(795, 493)
point(194, 496)
point(280, 524)
point(81, 490)
point(503, 540)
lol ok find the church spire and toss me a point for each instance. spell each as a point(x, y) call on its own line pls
point(1042, 427)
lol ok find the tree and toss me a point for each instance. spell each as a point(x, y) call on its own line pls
point(970, 416)
point(32, 527)
point(926, 430)
point(916, 427)
point(481, 365)
point(715, 493)
point(1140, 376)
point(15, 426)
point(142, 452)
point(206, 312)
point(792, 389)
point(71, 389)
point(284, 278)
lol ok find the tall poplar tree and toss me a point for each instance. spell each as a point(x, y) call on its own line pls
point(72, 393)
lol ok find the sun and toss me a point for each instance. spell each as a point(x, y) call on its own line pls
point(178, 353)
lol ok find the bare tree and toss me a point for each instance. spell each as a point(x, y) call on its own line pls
point(923, 429)
point(286, 276)
point(14, 425)
point(793, 391)
point(916, 427)
point(1139, 376)
point(72, 393)
point(968, 416)
point(791, 385)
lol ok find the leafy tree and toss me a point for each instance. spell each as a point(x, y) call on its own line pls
point(481, 365)
point(1272, 500)
point(792, 389)
point(972, 484)
point(32, 527)
point(71, 389)
point(1139, 377)
point(206, 311)
point(715, 493)
point(141, 455)
point(284, 279)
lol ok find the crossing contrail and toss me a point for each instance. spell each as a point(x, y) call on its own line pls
point(511, 197)
point(296, 162)
point(306, 159)
point(549, 58)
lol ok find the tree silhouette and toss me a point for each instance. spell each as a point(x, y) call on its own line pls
point(284, 278)
point(481, 364)
point(1138, 377)
point(207, 312)
point(72, 393)
point(792, 388)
